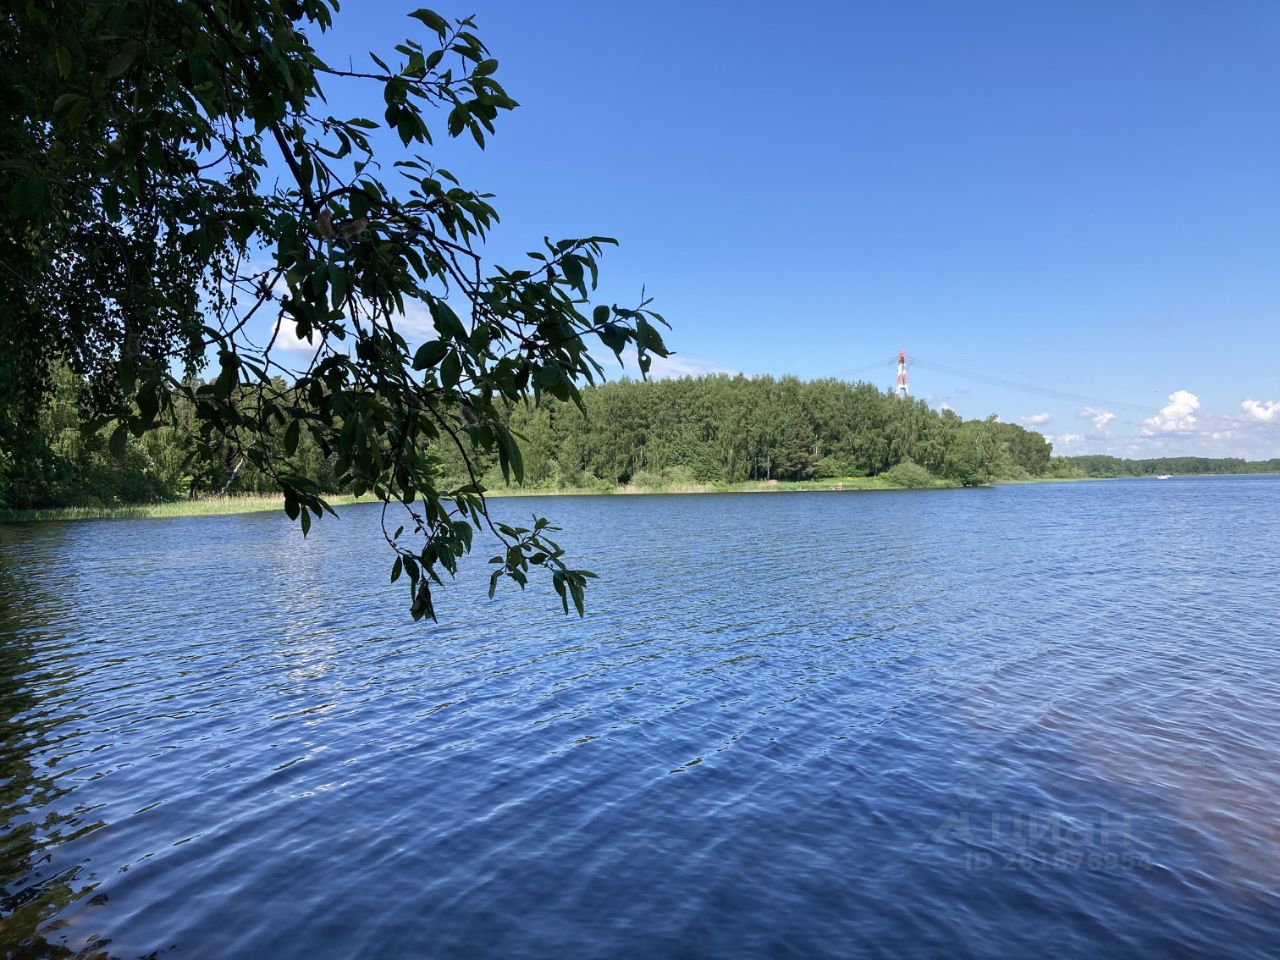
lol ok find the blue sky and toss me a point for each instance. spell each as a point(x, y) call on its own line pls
point(1080, 197)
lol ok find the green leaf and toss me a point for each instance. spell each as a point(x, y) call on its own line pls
point(450, 371)
point(119, 438)
point(422, 606)
point(291, 438)
point(509, 458)
point(613, 336)
point(227, 378)
point(64, 101)
point(148, 405)
point(648, 337)
point(447, 321)
point(430, 354)
point(432, 20)
point(557, 581)
point(338, 284)
point(29, 193)
point(457, 121)
point(123, 60)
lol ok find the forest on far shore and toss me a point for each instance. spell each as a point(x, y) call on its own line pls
point(715, 429)
point(1099, 465)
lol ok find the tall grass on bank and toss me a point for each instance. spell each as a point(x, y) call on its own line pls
point(203, 507)
point(258, 503)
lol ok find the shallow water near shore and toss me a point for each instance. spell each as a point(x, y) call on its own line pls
point(995, 722)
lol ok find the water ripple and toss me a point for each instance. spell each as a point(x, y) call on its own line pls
point(974, 723)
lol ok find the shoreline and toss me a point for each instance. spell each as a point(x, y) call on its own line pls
point(261, 503)
point(165, 510)
point(847, 485)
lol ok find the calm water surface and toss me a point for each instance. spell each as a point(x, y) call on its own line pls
point(1037, 720)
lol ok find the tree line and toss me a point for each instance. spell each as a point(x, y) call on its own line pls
point(712, 429)
point(58, 458)
point(1097, 465)
point(728, 429)
point(715, 429)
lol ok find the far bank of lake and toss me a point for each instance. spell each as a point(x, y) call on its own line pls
point(258, 503)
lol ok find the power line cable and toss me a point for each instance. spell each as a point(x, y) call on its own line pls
point(1027, 387)
point(890, 363)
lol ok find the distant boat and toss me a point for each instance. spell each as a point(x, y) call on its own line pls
point(1165, 476)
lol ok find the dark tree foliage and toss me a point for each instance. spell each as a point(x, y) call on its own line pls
point(143, 225)
point(724, 429)
point(715, 429)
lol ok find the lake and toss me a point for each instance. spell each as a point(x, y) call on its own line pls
point(1027, 720)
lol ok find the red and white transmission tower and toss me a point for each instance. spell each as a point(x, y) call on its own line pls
point(902, 389)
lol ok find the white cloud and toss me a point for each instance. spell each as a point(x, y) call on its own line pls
point(1177, 416)
point(1064, 439)
point(1264, 411)
point(945, 407)
point(286, 338)
point(416, 323)
point(1100, 418)
point(1035, 419)
point(1209, 435)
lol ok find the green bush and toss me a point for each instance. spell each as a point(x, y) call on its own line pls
point(830, 467)
point(909, 475)
point(661, 479)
